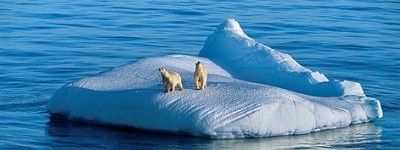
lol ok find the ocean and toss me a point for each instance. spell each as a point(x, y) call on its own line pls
point(46, 44)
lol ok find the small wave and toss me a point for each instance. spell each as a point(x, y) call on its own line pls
point(8, 106)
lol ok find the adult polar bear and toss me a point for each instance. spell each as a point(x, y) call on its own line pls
point(200, 76)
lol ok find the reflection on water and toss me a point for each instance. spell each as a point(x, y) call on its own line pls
point(355, 136)
point(63, 133)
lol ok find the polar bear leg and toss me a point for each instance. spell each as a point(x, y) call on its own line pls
point(196, 83)
point(173, 87)
point(167, 87)
point(180, 86)
point(204, 82)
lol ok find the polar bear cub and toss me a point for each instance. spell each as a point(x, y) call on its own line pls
point(200, 76)
point(170, 80)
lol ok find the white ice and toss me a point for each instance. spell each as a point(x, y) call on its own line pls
point(248, 94)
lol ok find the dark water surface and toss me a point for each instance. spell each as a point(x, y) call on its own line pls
point(47, 44)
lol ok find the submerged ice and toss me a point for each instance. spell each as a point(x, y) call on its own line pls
point(253, 91)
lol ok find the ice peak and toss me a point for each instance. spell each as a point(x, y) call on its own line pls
point(231, 26)
point(233, 50)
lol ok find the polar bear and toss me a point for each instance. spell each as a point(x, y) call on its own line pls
point(170, 80)
point(200, 76)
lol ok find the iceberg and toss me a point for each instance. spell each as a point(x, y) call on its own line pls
point(252, 91)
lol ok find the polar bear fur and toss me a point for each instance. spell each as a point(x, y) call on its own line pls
point(200, 76)
point(170, 80)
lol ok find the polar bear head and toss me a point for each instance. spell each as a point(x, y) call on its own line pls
point(162, 70)
point(199, 65)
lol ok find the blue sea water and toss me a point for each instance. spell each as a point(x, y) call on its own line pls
point(46, 44)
